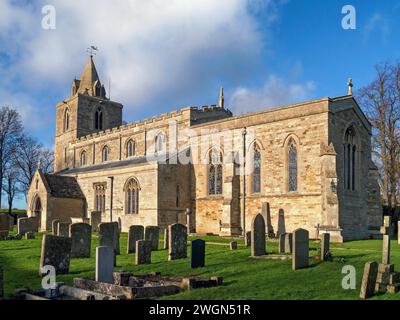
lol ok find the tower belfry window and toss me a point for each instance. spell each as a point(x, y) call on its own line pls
point(66, 120)
point(98, 119)
point(350, 154)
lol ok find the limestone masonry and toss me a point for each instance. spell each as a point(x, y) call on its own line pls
point(308, 166)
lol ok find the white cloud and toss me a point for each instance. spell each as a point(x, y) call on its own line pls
point(275, 92)
point(377, 22)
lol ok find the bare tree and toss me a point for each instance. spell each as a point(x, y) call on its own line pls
point(381, 101)
point(30, 152)
point(10, 130)
point(11, 186)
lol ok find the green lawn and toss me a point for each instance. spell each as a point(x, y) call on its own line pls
point(244, 277)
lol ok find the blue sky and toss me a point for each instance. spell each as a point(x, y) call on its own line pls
point(163, 55)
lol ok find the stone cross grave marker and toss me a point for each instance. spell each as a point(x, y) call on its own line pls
point(81, 235)
point(369, 280)
point(152, 233)
point(325, 240)
point(135, 233)
point(197, 253)
point(300, 249)
point(177, 241)
point(258, 246)
point(105, 258)
point(56, 252)
point(109, 235)
point(143, 252)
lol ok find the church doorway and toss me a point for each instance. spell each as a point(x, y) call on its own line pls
point(37, 209)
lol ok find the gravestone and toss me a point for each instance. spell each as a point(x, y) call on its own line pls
point(325, 239)
point(105, 264)
point(233, 245)
point(95, 220)
point(166, 238)
point(109, 235)
point(386, 249)
point(258, 236)
point(143, 252)
point(81, 235)
point(4, 222)
point(197, 253)
point(177, 244)
point(56, 251)
point(282, 242)
point(54, 227)
point(135, 233)
point(368, 280)
point(247, 239)
point(288, 243)
point(27, 225)
point(63, 229)
point(152, 233)
point(300, 249)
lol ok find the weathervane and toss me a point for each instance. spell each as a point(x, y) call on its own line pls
point(92, 50)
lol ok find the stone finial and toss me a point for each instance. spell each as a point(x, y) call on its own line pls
point(39, 165)
point(221, 98)
point(350, 86)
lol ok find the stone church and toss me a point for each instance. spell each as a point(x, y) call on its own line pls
point(304, 165)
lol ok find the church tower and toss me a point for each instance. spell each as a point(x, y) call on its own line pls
point(86, 111)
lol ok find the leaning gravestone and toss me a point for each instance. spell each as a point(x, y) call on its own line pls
point(27, 225)
point(197, 253)
point(143, 252)
point(4, 222)
point(300, 249)
point(63, 229)
point(325, 238)
point(135, 233)
point(177, 241)
point(105, 264)
point(258, 236)
point(152, 233)
point(56, 252)
point(95, 220)
point(166, 238)
point(369, 280)
point(109, 235)
point(81, 235)
point(54, 227)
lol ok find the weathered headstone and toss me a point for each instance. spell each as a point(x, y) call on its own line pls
point(369, 279)
point(109, 235)
point(282, 242)
point(27, 225)
point(143, 252)
point(247, 239)
point(56, 252)
point(29, 235)
point(63, 229)
point(258, 236)
point(386, 249)
point(197, 253)
point(233, 245)
point(166, 238)
point(105, 264)
point(4, 222)
point(288, 243)
point(135, 233)
point(95, 220)
point(152, 233)
point(54, 227)
point(81, 235)
point(300, 249)
point(177, 241)
point(325, 239)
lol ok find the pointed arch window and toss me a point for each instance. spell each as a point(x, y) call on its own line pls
point(83, 158)
point(256, 169)
point(105, 154)
point(98, 119)
point(159, 143)
point(130, 149)
point(132, 197)
point(292, 166)
point(100, 197)
point(215, 173)
point(66, 120)
point(350, 154)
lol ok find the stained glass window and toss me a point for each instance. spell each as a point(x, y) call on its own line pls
point(100, 197)
point(215, 173)
point(292, 166)
point(256, 169)
point(132, 197)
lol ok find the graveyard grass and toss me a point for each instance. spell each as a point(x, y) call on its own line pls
point(244, 277)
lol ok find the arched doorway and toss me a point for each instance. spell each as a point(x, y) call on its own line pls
point(37, 209)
